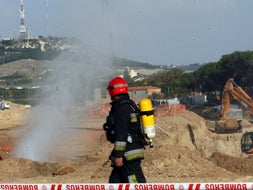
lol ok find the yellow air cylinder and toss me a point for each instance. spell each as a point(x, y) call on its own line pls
point(147, 118)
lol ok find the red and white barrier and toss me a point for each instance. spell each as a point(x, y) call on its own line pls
point(132, 186)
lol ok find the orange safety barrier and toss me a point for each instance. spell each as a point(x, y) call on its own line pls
point(7, 148)
point(169, 110)
point(98, 111)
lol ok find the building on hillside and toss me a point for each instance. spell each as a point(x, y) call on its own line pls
point(132, 73)
point(138, 92)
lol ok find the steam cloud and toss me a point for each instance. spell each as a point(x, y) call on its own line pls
point(73, 83)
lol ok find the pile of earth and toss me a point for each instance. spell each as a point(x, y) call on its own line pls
point(186, 150)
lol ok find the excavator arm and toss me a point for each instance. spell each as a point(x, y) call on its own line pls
point(232, 90)
point(225, 102)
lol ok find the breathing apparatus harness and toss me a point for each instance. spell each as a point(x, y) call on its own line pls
point(137, 123)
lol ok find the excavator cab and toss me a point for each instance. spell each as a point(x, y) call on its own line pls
point(247, 143)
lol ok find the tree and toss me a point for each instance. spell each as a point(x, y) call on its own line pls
point(237, 65)
point(207, 77)
point(168, 80)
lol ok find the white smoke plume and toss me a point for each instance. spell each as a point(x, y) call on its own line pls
point(73, 82)
point(75, 77)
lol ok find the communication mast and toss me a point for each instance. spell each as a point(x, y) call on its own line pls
point(23, 33)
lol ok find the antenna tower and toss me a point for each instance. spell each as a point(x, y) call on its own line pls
point(23, 34)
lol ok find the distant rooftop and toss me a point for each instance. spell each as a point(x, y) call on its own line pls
point(132, 88)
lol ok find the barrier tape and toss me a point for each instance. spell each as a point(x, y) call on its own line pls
point(132, 186)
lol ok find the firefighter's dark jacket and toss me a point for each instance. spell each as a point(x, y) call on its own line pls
point(127, 138)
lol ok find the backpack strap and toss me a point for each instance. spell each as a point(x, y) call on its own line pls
point(132, 104)
point(136, 110)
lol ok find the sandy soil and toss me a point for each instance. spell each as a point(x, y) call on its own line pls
point(186, 150)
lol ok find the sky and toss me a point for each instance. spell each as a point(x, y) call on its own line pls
point(159, 32)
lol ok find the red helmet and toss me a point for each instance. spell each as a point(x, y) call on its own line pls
point(117, 86)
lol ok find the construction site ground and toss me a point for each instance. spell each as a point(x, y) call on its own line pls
point(186, 150)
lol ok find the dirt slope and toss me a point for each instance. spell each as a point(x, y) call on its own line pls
point(185, 151)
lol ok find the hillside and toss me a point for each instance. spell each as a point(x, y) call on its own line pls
point(30, 67)
point(34, 72)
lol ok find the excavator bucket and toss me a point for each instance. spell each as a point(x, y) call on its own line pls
point(232, 124)
point(228, 126)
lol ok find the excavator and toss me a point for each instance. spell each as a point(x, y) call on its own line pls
point(232, 90)
point(232, 125)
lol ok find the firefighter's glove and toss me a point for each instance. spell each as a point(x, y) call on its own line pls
point(118, 162)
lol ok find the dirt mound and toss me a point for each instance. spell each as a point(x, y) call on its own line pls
point(186, 150)
point(207, 112)
point(241, 166)
point(24, 168)
point(180, 164)
point(3, 155)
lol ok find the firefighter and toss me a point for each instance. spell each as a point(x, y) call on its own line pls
point(123, 130)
